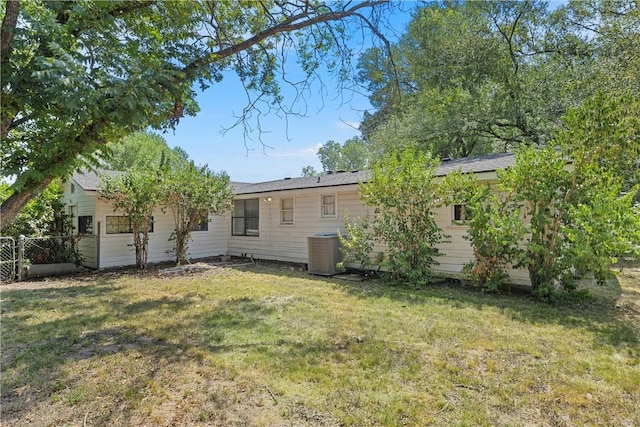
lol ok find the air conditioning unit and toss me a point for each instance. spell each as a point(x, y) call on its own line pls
point(324, 254)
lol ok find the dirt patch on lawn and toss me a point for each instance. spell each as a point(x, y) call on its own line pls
point(87, 276)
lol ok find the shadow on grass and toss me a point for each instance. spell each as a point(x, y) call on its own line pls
point(597, 314)
point(95, 323)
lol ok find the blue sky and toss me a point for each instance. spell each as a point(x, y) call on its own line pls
point(286, 144)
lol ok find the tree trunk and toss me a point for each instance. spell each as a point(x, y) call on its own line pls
point(13, 205)
point(12, 11)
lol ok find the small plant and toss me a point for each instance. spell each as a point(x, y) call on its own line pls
point(76, 396)
point(357, 245)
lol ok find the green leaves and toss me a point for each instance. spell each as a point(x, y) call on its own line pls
point(562, 212)
point(403, 196)
point(135, 194)
point(192, 193)
point(79, 74)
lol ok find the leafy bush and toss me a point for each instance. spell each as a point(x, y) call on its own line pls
point(402, 192)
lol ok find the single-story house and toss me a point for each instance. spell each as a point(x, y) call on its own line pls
point(270, 220)
point(105, 238)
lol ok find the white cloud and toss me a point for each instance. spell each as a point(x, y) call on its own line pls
point(303, 152)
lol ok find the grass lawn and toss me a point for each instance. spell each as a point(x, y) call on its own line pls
point(268, 346)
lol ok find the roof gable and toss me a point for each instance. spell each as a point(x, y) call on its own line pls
point(90, 180)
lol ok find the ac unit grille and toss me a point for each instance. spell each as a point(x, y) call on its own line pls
point(324, 254)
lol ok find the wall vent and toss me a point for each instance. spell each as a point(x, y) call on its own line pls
point(324, 254)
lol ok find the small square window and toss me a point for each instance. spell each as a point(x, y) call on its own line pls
point(328, 209)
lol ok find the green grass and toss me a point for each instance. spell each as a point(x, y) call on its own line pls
point(268, 346)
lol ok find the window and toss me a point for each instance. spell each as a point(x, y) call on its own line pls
point(121, 225)
point(85, 224)
point(201, 225)
point(118, 225)
point(460, 214)
point(73, 188)
point(245, 219)
point(286, 211)
point(328, 209)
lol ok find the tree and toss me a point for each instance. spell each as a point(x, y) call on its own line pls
point(574, 201)
point(609, 31)
point(468, 67)
point(135, 194)
point(403, 195)
point(43, 216)
point(140, 151)
point(309, 171)
point(352, 155)
point(494, 228)
point(579, 218)
point(471, 78)
point(78, 74)
point(329, 155)
point(192, 193)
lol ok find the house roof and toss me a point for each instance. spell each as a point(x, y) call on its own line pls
point(487, 163)
point(89, 180)
point(478, 164)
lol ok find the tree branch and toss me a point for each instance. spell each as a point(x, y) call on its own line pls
point(289, 25)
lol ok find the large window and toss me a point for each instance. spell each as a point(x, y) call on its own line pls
point(121, 225)
point(85, 224)
point(328, 208)
point(286, 211)
point(245, 219)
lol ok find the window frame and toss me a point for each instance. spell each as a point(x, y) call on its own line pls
point(244, 219)
point(201, 225)
point(459, 214)
point(323, 205)
point(284, 210)
point(127, 220)
point(85, 224)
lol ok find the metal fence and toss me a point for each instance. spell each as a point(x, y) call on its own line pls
point(49, 250)
point(8, 259)
point(15, 258)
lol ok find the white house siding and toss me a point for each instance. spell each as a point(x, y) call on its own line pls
point(117, 249)
point(82, 203)
point(212, 242)
point(288, 242)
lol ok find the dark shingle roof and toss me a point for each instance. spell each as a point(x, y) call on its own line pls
point(487, 163)
point(478, 164)
point(330, 180)
point(90, 180)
